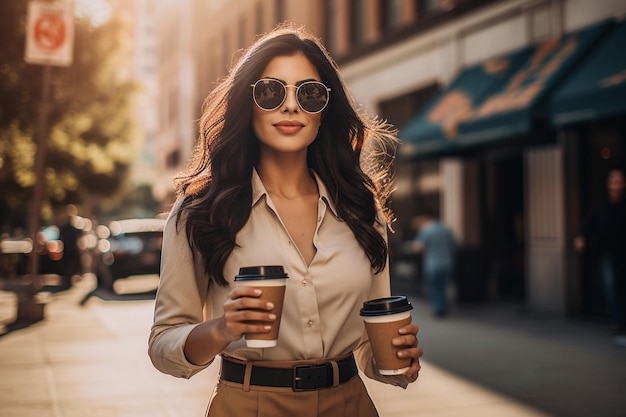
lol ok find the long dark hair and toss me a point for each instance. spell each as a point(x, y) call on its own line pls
point(216, 187)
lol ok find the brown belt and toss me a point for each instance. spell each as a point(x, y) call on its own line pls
point(299, 377)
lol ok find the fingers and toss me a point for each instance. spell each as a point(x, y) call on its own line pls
point(246, 312)
point(414, 370)
point(246, 298)
point(414, 353)
point(408, 338)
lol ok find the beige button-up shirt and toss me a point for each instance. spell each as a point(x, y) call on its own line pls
point(322, 300)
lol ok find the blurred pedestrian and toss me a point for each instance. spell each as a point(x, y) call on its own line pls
point(69, 234)
point(435, 242)
point(605, 235)
point(277, 179)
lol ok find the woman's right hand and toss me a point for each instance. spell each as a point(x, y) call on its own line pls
point(245, 312)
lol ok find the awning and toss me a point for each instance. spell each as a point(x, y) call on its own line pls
point(435, 129)
point(499, 99)
point(516, 105)
point(597, 89)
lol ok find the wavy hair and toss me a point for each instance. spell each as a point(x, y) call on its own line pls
point(350, 154)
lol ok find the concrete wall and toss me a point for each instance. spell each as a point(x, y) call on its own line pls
point(545, 241)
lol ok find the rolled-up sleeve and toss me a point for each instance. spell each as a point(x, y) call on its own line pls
point(381, 287)
point(179, 305)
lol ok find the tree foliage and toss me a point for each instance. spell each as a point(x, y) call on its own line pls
point(93, 137)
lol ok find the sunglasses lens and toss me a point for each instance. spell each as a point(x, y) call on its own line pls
point(269, 94)
point(312, 96)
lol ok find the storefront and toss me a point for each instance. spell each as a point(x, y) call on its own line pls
point(589, 111)
point(495, 118)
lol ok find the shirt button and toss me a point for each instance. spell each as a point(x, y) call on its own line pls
point(309, 323)
point(304, 282)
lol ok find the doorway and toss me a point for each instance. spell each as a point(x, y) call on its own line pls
point(502, 203)
point(602, 149)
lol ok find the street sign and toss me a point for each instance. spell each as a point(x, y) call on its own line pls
point(49, 34)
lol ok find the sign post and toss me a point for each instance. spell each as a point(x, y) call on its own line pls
point(49, 42)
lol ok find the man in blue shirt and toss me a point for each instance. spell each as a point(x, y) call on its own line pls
point(436, 242)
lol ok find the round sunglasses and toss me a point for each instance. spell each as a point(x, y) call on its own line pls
point(269, 94)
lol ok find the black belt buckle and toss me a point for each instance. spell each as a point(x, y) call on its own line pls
point(312, 377)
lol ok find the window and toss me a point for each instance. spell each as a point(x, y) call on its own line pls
point(429, 6)
point(172, 105)
point(280, 10)
point(399, 110)
point(226, 51)
point(242, 38)
point(259, 26)
point(172, 160)
point(358, 21)
point(331, 9)
point(393, 14)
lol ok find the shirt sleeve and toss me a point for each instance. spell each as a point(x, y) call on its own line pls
point(179, 304)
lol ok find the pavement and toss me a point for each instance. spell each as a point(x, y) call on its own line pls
point(88, 358)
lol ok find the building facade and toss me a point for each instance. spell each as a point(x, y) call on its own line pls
point(515, 197)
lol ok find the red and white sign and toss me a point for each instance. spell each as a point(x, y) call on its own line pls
point(49, 34)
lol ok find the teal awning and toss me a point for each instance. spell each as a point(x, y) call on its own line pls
point(512, 109)
point(597, 89)
point(435, 129)
point(499, 99)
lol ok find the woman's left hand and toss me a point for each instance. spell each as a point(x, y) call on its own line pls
point(408, 339)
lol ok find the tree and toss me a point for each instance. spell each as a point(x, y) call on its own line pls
point(93, 136)
point(135, 202)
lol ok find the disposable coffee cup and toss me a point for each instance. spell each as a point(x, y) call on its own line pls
point(383, 318)
point(272, 281)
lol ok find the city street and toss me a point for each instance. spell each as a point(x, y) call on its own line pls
point(503, 121)
point(88, 358)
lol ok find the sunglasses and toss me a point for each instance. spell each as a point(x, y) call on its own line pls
point(270, 94)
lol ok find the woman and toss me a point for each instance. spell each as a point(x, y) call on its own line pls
point(276, 179)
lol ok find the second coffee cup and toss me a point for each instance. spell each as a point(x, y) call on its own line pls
point(383, 318)
point(271, 279)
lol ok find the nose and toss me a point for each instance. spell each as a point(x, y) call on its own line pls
point(290, 104)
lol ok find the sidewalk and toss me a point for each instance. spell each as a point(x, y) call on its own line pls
point(90, 360)
point(563, 367)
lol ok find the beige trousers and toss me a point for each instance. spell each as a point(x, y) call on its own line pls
point(349, 399)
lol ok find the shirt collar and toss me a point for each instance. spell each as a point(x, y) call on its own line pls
point(258, 190)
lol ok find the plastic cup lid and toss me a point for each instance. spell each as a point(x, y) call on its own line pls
point(386, 306)
point(261, 272)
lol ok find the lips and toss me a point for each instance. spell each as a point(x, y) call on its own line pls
point(289, 127)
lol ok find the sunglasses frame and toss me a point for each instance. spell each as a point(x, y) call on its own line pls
point(297, 87)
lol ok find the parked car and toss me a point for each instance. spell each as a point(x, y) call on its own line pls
point(15, 255)
point(128, 248)
point(59, 254)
